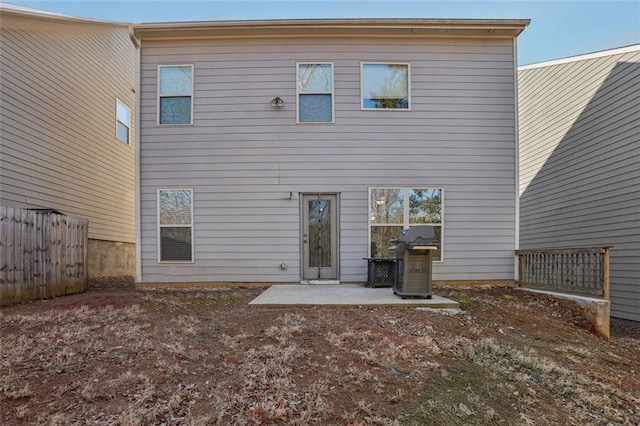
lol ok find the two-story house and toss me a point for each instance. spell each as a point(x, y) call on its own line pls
point(67, 126)
point(289, 150)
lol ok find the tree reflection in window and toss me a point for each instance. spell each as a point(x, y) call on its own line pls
point(387, 206)
point(425, 206)
point(175, 207)
point(385, 86)
point(175, 236)
point(394, 209)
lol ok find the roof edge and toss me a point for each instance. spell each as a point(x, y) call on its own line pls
point(583, 57)
point(26, 12)
point(503, 28)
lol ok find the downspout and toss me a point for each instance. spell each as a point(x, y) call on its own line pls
point(517, 158)
point(138, 44)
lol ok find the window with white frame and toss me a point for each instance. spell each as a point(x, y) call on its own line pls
point(175, 225)
point(385, 86)
point(123, 121)
point(393, 209)
point(175, 94)
point(315, 93)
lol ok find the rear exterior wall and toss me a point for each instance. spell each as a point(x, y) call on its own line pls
point(242, 157)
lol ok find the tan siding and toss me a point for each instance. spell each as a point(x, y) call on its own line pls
point(242, 156)
point(59, 86)
point(579, 163)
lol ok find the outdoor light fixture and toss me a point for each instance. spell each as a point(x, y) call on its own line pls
point(277, 101)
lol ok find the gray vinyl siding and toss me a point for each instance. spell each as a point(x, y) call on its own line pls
point(58, 87)
point(580, 163)
point(242, 157)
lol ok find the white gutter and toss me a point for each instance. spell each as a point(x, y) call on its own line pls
point(517, 155)
point(138, 224)
point(309, 28)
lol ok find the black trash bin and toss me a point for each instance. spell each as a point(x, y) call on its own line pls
point(413, 250)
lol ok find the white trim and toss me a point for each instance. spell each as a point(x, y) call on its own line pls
point(128, 126)
point(405, 213)
point(332, 93)
point(168, 95)
point(402, 28)
point(43, 14)
point(583, 57)
point(191, 225)
point(362, 107)
point(517, 157)
point(138, 215)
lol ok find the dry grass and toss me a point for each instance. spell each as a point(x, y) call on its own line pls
point(204, 357)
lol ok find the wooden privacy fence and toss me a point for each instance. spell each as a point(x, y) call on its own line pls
point(42, 254)
point(577, 270)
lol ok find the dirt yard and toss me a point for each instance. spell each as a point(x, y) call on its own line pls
point(117, 355)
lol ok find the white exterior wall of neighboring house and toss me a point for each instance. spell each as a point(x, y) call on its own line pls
point(60, 81)
point(249, 164)
point(580, 162)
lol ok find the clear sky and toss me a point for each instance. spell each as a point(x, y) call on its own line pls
point(559, 28)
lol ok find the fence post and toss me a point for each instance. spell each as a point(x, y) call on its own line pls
point(85, 253)
point(605, 272)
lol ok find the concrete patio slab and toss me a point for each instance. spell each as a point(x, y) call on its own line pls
point(342, 295)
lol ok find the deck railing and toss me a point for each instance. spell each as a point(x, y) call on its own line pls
point(576, 270)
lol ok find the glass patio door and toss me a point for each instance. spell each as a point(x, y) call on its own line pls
point(319, 237)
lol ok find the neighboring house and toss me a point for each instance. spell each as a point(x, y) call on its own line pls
point(67, 126)
point(288, 151)
point(580, 162)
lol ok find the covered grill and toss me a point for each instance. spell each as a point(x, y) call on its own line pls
point(413, 250)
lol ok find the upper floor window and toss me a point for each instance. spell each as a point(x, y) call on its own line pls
point(315, 93)
point(123, 121)
point(385, 86)
point(175, 94)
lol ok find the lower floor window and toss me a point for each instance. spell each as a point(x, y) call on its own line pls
point(393, 209)
point(175, 225)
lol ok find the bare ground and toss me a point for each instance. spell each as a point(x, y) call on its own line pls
point(117, 355)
